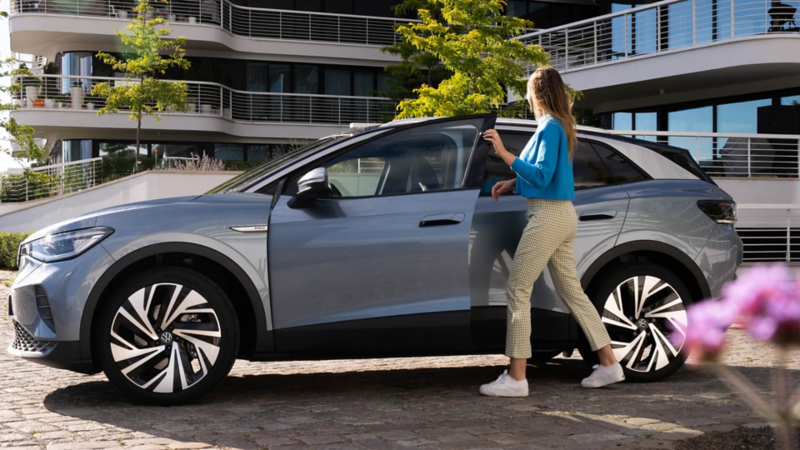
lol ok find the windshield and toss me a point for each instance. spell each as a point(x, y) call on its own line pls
point(255, 174)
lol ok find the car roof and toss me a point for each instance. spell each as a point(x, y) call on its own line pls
point(500, 120)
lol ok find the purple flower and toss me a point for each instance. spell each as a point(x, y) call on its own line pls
point(705, 333)
point(768, 303)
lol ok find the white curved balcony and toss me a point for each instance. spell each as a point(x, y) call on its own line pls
point(215, 109)
point(675, 46)
point(209, 25)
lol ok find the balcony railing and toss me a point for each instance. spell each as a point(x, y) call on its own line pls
point(733, 155)
point(238, 20)
point(662, 27)
point(770, 233)
point(54, 92)
point(56, 179)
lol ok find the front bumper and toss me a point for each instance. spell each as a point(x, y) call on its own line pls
point(46, 306)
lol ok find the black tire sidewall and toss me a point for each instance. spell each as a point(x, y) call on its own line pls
point(599, 293)
point(226, 315)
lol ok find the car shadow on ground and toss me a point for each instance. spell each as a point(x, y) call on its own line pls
point(295, 404)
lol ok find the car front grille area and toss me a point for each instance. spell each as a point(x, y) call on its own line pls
point(25, 342)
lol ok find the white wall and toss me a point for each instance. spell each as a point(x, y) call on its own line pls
point(150, 185)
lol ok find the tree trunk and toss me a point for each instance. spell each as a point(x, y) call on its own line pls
point(138, 132)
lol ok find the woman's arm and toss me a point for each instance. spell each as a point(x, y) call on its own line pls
point(539, 173)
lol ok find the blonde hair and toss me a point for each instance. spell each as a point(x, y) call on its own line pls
point(547, 94)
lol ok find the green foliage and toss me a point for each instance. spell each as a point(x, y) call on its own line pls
point(150, 54)
point(471, 40)
point(116, 167)
point(241, 166)
point(9, 244)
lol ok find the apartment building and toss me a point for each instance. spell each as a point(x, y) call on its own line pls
point(720, 78)
point(265, 74)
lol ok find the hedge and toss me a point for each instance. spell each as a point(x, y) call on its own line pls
point(9, 243)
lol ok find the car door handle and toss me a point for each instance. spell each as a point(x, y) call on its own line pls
point(438, 220)
point(598, 215)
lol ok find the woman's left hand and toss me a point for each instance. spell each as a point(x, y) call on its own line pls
point(493, 138)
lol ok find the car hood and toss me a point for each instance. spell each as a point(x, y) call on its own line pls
point(90, 219)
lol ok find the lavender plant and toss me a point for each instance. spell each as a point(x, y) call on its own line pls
point(766, 300)
point(195, 163)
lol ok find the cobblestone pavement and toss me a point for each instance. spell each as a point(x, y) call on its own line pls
point(429, 403)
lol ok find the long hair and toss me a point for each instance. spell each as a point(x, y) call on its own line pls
point(547, 94)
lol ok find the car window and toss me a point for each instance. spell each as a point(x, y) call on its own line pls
point(621, 169)
point(425, 158)
point(496, 168)
point(588, 170)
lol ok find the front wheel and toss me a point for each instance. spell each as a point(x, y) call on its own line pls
point(167, 336)
point(640, 304)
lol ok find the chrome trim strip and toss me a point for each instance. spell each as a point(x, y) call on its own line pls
point(251, 229)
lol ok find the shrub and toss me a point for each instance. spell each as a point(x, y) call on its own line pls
point(9, 243)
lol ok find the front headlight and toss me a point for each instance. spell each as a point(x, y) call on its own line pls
point(61, 246)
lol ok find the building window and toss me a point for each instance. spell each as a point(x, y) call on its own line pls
point(121, 149)
point(229, 152)
point(338, 82)
point(306, 79)
point(739, 117)
point(363, 84)
point(793, 100)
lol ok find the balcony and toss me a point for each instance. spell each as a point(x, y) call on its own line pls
point(215, 110)
point(209, 25)
point(673, 47)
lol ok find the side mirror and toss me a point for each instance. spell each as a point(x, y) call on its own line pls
point(310, 187)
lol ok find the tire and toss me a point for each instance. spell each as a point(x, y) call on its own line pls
point(186, 347)
point(640, 338)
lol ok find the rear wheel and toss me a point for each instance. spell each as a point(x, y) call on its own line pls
point(640, 304)
point(167, 336)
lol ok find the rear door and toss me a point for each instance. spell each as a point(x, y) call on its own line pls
point(601, 205)
point(383, 266)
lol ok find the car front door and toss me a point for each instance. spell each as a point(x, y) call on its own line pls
point(601, 205)
point(382, 265)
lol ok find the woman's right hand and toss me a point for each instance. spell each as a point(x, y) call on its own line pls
point(501, 187)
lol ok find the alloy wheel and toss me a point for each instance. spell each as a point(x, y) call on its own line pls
point(165, 338)
point(638, 315)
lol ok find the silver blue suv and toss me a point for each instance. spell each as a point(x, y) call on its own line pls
point(384, 242)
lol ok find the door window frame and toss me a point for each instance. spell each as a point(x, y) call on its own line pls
point(289, 181)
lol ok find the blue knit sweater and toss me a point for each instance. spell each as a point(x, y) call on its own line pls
point(544, 169)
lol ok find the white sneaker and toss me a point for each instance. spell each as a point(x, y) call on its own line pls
point(603, 376)
point(505, 386)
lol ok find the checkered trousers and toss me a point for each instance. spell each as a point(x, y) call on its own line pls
point(547, 240)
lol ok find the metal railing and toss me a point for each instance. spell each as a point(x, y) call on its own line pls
point(770, 233)
point(30, 61)
point(733, 155)
point(54, 92)
point(56, 179)
point(662, 27)
point(259, 23)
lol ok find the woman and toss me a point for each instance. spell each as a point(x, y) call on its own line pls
point(544, 178)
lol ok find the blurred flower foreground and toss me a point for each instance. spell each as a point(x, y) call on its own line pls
point(765, 300)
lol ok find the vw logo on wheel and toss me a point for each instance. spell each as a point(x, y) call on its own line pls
point(641, 323)
point(166, 337)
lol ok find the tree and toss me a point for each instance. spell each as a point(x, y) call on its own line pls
point(472, 40)
point(416, 67)
point(141, 92)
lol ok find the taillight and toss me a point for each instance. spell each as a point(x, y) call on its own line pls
point(720, 211)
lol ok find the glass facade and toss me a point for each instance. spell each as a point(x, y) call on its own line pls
point(79, 149)
point(741, 117)
point(548, 14)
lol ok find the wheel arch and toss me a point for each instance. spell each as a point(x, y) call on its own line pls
point(209, 262)
point(663, 254)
